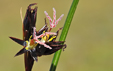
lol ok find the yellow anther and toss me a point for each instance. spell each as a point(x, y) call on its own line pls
point(30, 38)
point(26, 43)
point(43, 31)
point(46, 37)
point(26, 48)
point(52, 38)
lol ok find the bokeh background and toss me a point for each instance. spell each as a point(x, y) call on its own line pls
point(89, 40)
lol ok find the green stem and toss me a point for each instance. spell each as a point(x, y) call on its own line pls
point(64, 33)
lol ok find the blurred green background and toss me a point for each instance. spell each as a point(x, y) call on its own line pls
point(89, 41)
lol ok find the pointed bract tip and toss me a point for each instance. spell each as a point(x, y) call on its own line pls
point(33, 4)
point(21, 52)
point(19, 41)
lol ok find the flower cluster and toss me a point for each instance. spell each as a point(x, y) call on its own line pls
point(38, 43)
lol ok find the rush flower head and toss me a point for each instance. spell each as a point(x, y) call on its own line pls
point(38, 43)
point(54, 22)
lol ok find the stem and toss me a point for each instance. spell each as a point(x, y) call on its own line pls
point(64, 33)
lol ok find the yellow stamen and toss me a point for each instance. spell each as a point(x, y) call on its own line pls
point(52, 38)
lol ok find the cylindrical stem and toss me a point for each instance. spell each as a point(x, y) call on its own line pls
point(64, 33)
